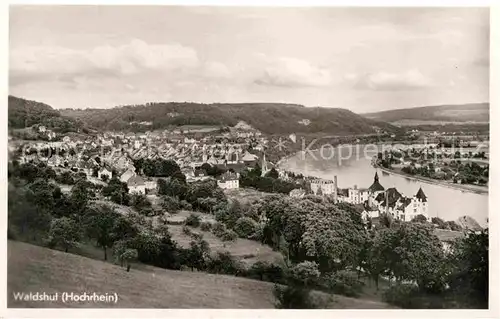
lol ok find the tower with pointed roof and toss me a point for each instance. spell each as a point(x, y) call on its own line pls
point(421, 195)
point(376, 187)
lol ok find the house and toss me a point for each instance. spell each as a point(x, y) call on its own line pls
point(42, 129)
point(228, 180)
point(417, 205)
point(127, 175)
point(447, 237)
point(104, 171)
point(358, 195)
point(136, 185)
point(249, 159)
point(151, 185)
point(324, 187)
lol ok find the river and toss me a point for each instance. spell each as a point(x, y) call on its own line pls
point(352, 166)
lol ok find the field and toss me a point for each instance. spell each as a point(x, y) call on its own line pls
point(35, 269)
point(244, 195)
point(407, 122)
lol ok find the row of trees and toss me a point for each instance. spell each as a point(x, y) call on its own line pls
point(270, 183)
point(333, 236)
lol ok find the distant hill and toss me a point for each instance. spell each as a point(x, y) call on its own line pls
point(435, 115)
point(271, 118)
point(25, 113)
point(36, 269)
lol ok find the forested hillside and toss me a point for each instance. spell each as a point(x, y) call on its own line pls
point(272, 118)
point(25, 113)
point(472, 112)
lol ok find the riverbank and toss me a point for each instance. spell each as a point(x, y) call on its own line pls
point(463, 187)
point(476, 189)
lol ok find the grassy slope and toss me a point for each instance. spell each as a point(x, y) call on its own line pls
point(473, 112)
point(35, 269)
point(248, 251)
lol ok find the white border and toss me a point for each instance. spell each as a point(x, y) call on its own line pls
point(493, 312)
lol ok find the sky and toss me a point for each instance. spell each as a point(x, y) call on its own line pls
point(361, 59)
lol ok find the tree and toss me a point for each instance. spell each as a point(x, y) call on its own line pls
point(273, 173)
point(452, 225)
point(468, 278)
point(441, 224)
point(117, 191)
point(419, 219)
point(223, 263)
point(411, 252)
point(193, 220)
point(64, 232)
point(41, 194)
point(172, 187)
point(119, 248)
point(304, 274)
point(105, 226)
point(24, 216)
point(129, 255)
point(300, 278)
point(80, 195)
point(170, 204)
point(333, 237)
point(245, 227)
point(139, 202)
point(197, 254)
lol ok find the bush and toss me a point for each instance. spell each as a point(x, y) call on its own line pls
point(218, 229)
point(402, 295)
point(206, 226)
point(345, 283)
point(196, 236)
point(452, 225)
point(292, 298)
point(186, 230)
point(185, 205)
point(193, 220)
point(439, 222)
point(224, 263)
point(170, 204)
point(245, 227)
point(229, 235)
point(304, 274)
point(265, 271)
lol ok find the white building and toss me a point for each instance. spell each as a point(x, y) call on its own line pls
point(228, 180)
point(104, 171)
point(151, 184)
point(136, 185)
point(401, 207)
point(127, 175)
point(412, 207)
point(324, 187)
point(358, 195)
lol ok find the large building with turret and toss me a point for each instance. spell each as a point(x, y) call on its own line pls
point(378, 200)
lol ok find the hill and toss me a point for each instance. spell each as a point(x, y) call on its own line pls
point(36, 269)
point(271, 118)
point(25, 113)
point(435, 115)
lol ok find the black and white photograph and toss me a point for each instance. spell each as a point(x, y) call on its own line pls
point(248, 157)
